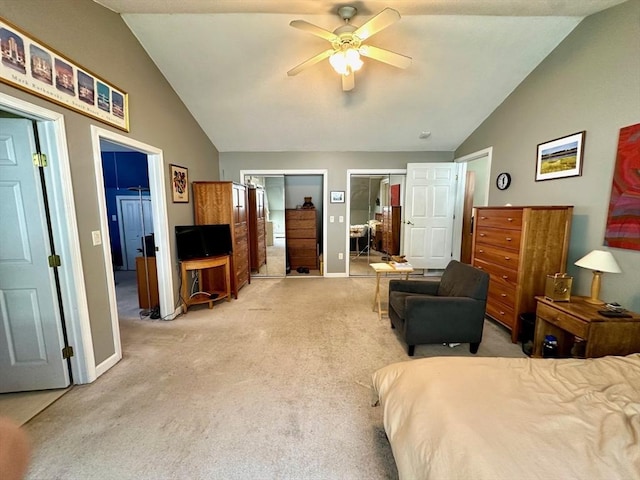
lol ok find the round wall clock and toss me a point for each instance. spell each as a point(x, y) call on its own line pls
point(503, 181)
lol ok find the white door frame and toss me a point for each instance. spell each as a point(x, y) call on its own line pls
point(155, 165)
point(485, 152)
point(364, 171)
point(325, 196)
point(53, 139)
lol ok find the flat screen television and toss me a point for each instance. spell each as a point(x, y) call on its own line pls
point(200, 241)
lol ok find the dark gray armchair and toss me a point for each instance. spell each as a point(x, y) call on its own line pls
point(447, 311)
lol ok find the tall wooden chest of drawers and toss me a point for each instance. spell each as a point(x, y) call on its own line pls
point(519, 247)
point(257, 227)
point(391, 230)
point(302, 238)
point(220, 203)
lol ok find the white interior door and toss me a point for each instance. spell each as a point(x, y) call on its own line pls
point(31, 337)
point(428, 214)
point(133, 228)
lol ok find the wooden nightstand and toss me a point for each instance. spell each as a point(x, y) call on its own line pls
point(577, 318)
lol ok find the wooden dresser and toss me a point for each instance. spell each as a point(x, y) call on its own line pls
point(391, 217)
point(257, 227)
point(225, 203)
point(519, 247)
point(302, 238)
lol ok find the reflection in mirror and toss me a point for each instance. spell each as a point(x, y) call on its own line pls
point(273, 207)
point(365, 235)
point(375, 215)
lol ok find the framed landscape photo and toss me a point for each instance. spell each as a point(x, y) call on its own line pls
point(179, 184)
point(560, 158)
point(337, 197)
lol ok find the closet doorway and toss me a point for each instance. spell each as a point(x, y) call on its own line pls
point(288, 194)
point(375, 216)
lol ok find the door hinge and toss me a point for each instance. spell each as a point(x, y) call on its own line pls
point(39, 160)
point(54, 261)
point(67, 352)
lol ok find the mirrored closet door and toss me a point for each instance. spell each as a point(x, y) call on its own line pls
point(266, 199)
point(375, 216)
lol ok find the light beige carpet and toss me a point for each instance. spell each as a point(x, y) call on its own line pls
point(273, 385)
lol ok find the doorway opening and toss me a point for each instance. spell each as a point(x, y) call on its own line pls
point(295, 229)
point(38, 385)
point(168, 308)
point(476, 194)
point(131, 238)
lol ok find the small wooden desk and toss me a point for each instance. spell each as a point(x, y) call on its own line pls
point(221, 261)
point(577, 318)
point(385, 268)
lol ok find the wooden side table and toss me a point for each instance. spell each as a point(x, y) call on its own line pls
point(577, 318)
point(222, 262)
point(385, 268)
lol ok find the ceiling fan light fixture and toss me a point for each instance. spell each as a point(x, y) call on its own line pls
point(346, 61)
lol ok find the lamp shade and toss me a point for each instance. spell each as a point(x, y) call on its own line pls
point(599, 260)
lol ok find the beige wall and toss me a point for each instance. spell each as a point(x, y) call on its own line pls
point(99, 40)
point(591, 82)
point(337, 164)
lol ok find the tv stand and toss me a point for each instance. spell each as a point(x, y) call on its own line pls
point(197, 298)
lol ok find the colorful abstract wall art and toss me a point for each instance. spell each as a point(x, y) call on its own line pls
point(623, 220)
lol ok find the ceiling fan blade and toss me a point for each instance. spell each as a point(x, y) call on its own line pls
point(382, 20)
point(348, 82)
point(312, 61)
point(385, 56)
point(314, 30)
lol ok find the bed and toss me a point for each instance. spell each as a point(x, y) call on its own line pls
point(451, 418)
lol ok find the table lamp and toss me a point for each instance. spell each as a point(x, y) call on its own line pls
point(599, 261)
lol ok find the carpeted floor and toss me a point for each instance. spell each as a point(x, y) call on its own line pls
point(273, 385)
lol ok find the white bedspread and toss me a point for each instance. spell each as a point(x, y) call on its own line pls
point(479, 418)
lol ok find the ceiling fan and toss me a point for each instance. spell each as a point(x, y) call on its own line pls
point(347, 44)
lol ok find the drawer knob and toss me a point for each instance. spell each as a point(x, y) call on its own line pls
point(501, 313)
point(481, 251)
point(503, 294)
point(505, 276)
point(509, 219)
point(483, 218)
point(508, 239)
point(507, 258)
point(482, 234)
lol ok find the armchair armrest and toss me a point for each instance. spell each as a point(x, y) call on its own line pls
point(428, 287)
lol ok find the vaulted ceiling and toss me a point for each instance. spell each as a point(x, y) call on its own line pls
point(228, 62)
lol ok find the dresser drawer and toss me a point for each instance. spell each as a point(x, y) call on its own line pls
point(301, 232)
point(497, 271)
point(563, 320)
point(502, 218)
point(502, 291)
point(304, 243)
point(502, 257)
point(306, 215)
point(505, 314)
point(499, 237)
